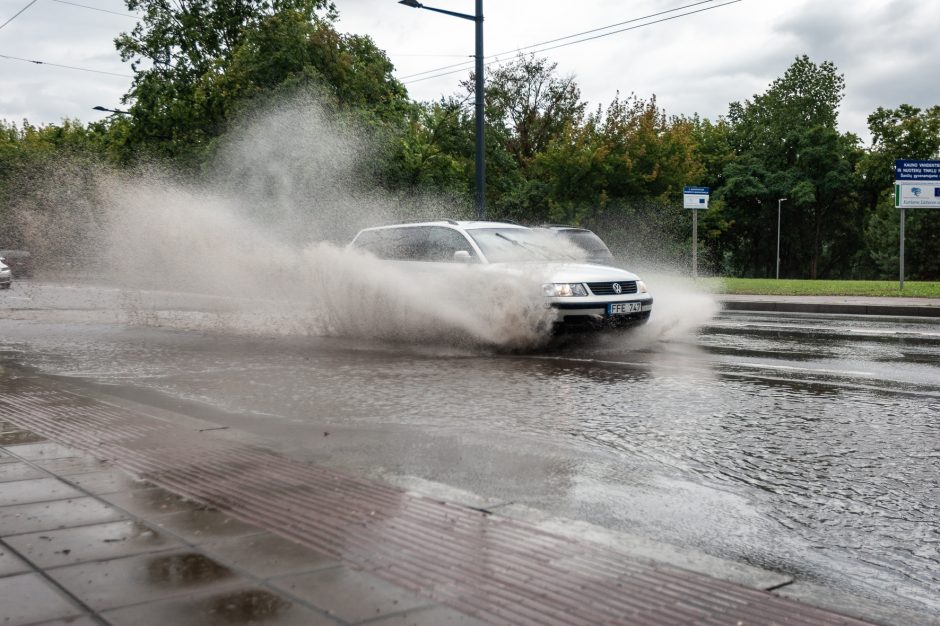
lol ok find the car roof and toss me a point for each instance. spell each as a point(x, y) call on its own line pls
point(465, 224)
point(563, 227)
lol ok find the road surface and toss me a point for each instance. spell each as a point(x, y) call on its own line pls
point(803, 444)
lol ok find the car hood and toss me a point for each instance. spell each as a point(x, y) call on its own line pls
point(566, 272)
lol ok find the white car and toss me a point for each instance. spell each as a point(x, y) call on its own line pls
point(6, 277)
point(580, 295)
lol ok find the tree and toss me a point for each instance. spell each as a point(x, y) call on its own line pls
point(530, 104)
point(903, 133)
point(788, 146)
point(198, 64)
point(48, 185)
point(433, 152)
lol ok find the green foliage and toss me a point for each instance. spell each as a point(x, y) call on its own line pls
point(903, 133)
point(432, 151)
point(629, 151)
point(199, 64)
point(529, 105)
point(787, 146)
point(204, 69)
point(34, 157)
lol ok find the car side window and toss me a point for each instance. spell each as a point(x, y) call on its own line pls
point(444, 242)
point(394, 244)
point(414, 243)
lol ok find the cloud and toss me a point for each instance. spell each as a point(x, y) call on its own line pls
point(695, 64)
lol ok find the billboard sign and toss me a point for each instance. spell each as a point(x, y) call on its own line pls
point(917, 184)
point(695, 198)
point(924, 195)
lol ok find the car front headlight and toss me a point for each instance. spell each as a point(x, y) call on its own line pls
point(641, 287)
point(555, 290)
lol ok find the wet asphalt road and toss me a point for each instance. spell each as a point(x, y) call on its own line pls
point(803, 444)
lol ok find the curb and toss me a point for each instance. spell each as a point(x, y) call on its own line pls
point(832, 308)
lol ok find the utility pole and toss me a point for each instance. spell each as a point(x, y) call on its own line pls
point(779, 202)
point(477, 17)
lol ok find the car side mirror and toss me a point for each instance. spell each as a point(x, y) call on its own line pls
point(462, 256)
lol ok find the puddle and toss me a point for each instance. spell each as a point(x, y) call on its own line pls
point(255, 605)
point(178, 570)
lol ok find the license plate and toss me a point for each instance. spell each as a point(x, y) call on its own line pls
point(619, 308)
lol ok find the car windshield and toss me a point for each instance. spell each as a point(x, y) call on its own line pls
point(501, 245)
point(595, 249)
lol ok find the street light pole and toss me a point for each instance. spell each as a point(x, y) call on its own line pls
point(480, 154)
point(101, 108)
point(480, 195)
point(779, 202)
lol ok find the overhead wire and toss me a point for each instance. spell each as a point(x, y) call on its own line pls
point(59, 65)
point(462, 66)
point(68, 67)
point(85, 6)
point(542, 43)
point(17, 14)
point(466, 64)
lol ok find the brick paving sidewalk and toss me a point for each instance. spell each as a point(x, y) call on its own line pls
point(83, 542)
point(262, 539)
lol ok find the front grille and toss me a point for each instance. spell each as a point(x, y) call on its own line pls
point(607, 289)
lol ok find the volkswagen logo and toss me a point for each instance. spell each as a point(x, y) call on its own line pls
point(617, 288)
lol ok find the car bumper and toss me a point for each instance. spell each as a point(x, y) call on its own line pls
point(577, 316)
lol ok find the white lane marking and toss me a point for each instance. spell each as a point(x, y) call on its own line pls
point(810, 370)
point(830, 329)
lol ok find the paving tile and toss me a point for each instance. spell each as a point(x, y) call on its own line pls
point(246, 605)
point(30, 518)
point(266, 555)
point(17, 437)
point(150, 502)
point(109, 481)
point(10, 563)
point(44, 451)
point(28, 598)
point(19, 470)
point(203, 525)
point(350, 595)
point(55, 548)
point(73, 465)
point(35, 490)
point(111, 584)
point(433, 616)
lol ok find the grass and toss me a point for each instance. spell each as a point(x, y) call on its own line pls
point(771, 287)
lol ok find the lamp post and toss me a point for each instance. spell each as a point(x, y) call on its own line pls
point(779, 202)
point(101, 108)
point(480, 163)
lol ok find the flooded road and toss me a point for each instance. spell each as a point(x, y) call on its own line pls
point(804, 444)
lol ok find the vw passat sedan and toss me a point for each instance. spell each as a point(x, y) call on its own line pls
point(580, 294)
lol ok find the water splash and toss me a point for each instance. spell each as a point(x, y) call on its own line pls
point(257, 247)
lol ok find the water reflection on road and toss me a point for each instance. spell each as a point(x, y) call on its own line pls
point(804, 444)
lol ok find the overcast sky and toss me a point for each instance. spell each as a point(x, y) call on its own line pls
point(888, 50)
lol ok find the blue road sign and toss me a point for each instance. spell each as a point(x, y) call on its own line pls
point(905, 169)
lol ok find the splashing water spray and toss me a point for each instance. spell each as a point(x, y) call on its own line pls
point(259, 248)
